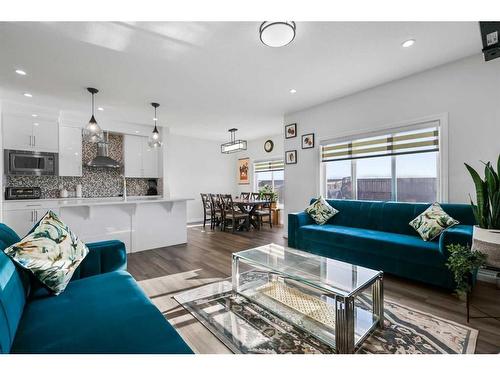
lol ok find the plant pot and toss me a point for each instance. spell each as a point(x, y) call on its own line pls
point(487, 241)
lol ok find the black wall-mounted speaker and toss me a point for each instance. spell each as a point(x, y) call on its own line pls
point(490, 32)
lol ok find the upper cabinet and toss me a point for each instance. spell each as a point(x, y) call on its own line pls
point(139, 159)
point(23, 132)
point(70, 151)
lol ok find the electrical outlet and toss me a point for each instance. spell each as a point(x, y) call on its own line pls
point(492, 38)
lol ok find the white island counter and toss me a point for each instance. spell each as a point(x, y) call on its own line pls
point(142, 223)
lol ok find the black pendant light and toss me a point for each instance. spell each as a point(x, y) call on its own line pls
point(234, 145)
point(155, 138)
point(92, 132)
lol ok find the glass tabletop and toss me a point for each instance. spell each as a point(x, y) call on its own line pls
point(331, 275)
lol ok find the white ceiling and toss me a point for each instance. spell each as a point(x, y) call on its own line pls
point(211, 76)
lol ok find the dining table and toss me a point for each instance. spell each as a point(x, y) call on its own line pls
point(249, 206)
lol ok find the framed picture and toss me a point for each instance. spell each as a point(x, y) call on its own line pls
point(243, 169)
point(291, 131)
point(291, 157)
point(308, 141)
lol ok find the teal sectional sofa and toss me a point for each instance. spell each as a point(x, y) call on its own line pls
point(377, 235)
point(103, 310)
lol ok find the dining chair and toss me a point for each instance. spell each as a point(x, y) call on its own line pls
point(264, 211)
point(255, 196)
point(207, 209)
point(245, 196)
point(217, 212)
point(232, 214)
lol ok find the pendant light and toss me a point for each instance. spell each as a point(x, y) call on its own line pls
point(234, 145)
point(155, 138)
point(277, 33)
point(92, 132)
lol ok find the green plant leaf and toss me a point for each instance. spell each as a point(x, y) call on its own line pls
point(482, 201)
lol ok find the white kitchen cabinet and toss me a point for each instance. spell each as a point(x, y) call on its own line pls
point(140, 160)
point(32, 134)
point(22, 220)
point(70, 151)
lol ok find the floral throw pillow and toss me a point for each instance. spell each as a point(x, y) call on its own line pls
point(52, 252)
point(321, 211)
point(430, 223)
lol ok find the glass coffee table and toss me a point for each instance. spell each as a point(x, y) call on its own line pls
point(336, 302)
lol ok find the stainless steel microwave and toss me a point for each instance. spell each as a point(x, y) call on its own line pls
point(31, 163)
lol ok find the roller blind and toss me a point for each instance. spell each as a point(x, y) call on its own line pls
point(423, 139)
point(268, 166)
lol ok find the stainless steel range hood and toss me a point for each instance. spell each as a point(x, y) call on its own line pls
point(102, 160)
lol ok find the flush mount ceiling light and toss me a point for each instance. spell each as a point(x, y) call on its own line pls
point(92, 132)
point(408, 43)
point(277, 33)
point(155, 138)
point(234, 145)
point(20, 72)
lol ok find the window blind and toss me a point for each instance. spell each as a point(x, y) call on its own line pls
point(398, 143)
point(268, 166)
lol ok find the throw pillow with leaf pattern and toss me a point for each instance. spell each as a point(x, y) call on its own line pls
point(321, 211)
point(430, 223)
point(51, 251)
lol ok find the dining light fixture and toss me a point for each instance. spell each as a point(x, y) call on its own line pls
point(234, 145)
point(92, 132)
point(155, 138)
point(277, 33)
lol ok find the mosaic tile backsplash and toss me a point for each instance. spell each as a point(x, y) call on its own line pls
point(95, 182)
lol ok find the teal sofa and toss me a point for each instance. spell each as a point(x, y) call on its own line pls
point(377, 235)
point(102, 310)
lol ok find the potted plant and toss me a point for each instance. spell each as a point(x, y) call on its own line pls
point(464, 263)
point(486, 235)
point(266, 189)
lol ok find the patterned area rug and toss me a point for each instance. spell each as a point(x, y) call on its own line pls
point(245, 327)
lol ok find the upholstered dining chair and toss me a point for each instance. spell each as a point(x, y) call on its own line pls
point(245, 195)
point(207, 209)
point(232, 214)
point(264, 211)
point(216, 209)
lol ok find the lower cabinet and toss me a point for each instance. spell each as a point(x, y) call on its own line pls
point(22, 220)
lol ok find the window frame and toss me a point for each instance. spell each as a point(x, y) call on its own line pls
point(255, 173)
point(441, 160)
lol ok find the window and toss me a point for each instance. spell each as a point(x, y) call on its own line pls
point(401, 166)
point(270, 173)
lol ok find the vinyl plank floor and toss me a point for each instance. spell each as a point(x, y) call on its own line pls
point(206, 258)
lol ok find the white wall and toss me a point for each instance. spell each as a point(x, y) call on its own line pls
point(255, 151)
point(468, 90)
point(194, 166)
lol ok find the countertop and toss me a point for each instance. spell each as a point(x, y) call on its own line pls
point(75, 202)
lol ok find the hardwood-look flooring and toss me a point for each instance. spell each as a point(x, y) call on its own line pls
point(206, 258)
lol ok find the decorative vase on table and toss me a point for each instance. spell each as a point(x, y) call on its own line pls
point(486, 235)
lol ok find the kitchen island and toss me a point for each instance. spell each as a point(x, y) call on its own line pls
point(142, 223)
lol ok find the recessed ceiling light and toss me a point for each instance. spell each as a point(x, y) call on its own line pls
point(155, 119)
point(20, 72)
point(100, 109)
point(293, 91)
point(137, 131)
point(36, 123)
point(34, 115)
point(28, 95)
point(408, 43)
